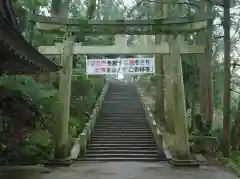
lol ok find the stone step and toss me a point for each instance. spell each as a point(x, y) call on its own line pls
point(123, 132)
point(119, 122)
point(137, 122)
point(121, 135)
point(131, 96)
point(139, 159)
point(121, 118)
point(128, 96)
point(94, 134)
point(123, 140)
point(131, 102)
point(134, 102)
point(120, 111)
point(123, 112)
point(125, 90)
point(118, 105)
point(130, 108)
point(121, 127)
point(135, 114)
point(121, 102)
point(134, 98)
point(120, 93)
point(107, 137)
point(144, 142)
point(129, 151)
point(122, 97)
point(127, 145)
point(118, 155)
point(122, 89)
point(122, 121)
point(122, 124)
point(135, 148)
point(126, 106)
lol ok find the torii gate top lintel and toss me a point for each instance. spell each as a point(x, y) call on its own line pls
point(130, 27)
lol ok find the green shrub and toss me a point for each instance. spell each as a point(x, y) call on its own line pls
point(42, 100)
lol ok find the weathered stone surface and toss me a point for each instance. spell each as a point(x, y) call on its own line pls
point(119, 170)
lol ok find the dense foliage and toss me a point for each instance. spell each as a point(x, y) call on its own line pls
point(27, 116)
point(29, 104)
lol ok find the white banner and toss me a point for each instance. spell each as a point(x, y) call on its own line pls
point(125, 66)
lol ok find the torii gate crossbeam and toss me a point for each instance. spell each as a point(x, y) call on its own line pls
point(122, 49)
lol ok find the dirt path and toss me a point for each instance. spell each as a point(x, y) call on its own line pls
point(122, 170)
point(132, 170)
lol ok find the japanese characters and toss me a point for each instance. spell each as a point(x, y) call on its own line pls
point(125, 65)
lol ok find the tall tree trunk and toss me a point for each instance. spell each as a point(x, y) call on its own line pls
point(205, 65)
point(227, 78)
point(91, 7)
point(193, 113)
point(55, 7)
point(161, 11)
point(159, 100)
point(208, 54)
point(29, 29)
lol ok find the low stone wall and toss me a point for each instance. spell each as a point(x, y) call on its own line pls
point(148, 104)
point(80, 143)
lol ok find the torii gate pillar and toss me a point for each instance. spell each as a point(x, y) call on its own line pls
point(180, 122)
point(62, 121)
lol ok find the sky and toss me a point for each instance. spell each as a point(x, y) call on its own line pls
point(128, 2)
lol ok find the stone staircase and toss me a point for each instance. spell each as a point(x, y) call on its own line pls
point(122, 132)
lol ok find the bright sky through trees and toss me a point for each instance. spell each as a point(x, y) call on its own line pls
point(129, 2)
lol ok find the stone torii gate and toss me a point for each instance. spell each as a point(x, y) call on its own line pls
point(174, 48)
